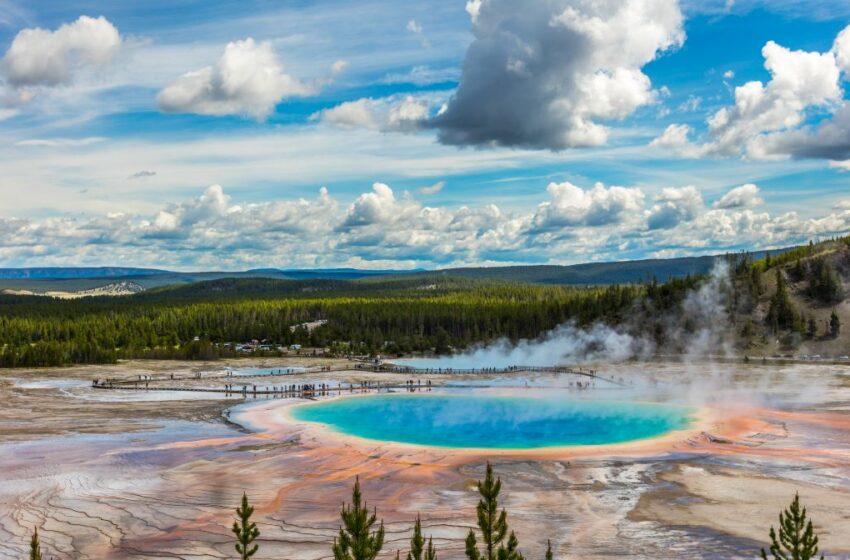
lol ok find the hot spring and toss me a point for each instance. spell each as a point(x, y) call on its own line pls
point(484, 421)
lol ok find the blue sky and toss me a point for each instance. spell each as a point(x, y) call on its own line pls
point(381, 134)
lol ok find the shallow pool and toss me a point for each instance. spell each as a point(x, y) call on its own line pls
point(485, 421)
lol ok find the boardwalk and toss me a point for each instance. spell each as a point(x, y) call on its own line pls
point(246, 388)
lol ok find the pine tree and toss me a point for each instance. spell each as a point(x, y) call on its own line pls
point(492, 523)
point(245, 530)
point(35, 547)
point(781, 314)
point(834, 324)
point(418, 551)
point(548, 550)
point(356, 541)
point(510, 550)
point(812, 328)
point(797, 539)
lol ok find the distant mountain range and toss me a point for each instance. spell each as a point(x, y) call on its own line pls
point(74, 279)
point(77, 272)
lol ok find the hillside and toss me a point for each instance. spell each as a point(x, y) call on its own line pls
point(785, 304)
point(619, 272)
point(82, 280)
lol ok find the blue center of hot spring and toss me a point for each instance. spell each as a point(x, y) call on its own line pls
point(480, 421)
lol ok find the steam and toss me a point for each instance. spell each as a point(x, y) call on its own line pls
point(699, 332)
point(700, 327)
point(564, 345)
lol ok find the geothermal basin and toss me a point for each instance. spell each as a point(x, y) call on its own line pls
point(653, 460)
point(480, 421)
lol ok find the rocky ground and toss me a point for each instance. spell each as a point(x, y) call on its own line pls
point(133, 474)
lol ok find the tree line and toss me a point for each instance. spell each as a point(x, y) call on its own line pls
point(811, 270)
point(36, 331)
point(392, 316)
point(361, 536)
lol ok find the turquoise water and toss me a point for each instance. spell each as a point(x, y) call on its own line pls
point(481, 421)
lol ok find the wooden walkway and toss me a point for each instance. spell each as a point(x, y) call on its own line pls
point(238, 387)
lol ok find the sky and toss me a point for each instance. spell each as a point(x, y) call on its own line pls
point(228, 135)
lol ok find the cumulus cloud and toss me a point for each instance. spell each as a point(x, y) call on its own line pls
point(745, 196)
point(176, 220)
point(768, 120)
point(211, 220)
point(841, 50)
point(373, 207)
point(573, 206)
point(390, 114)
point(546, 76)
point(675, 137)
point(247, 80)
point(40, 57)
point(673, 206)
point(382, 229)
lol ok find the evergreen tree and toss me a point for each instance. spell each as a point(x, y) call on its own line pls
point(35, 546)
point(418, 551)
point(824, 282)
point(356, 539)
point(245, 530)
point(510, 550)
point(812, 328)
point(492, 523)
point(781, 314)
point(548, 550)
point(834, 324)
point(797, 539)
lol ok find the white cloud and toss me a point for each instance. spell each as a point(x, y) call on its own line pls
point(675, 138)
point(423, 75)
point(691, 104)
point(374, 207)
point(673, 206)
point(843, 165)
point(60, 142)
point(380, 229)
point(573, 206)
point(432, 189)
point(414, 27)
point(544, 76)
point(473, 8)
point(728, 75)
point(841, 49)
point(247, 80)
point(745, 196)
point(396, 113)
point(359, 113)
point(767, 120)
point(40, 57)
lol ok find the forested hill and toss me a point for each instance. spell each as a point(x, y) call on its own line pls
point(796, 298)
point(69, 281)
point(50, 272)
point(620, 272)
